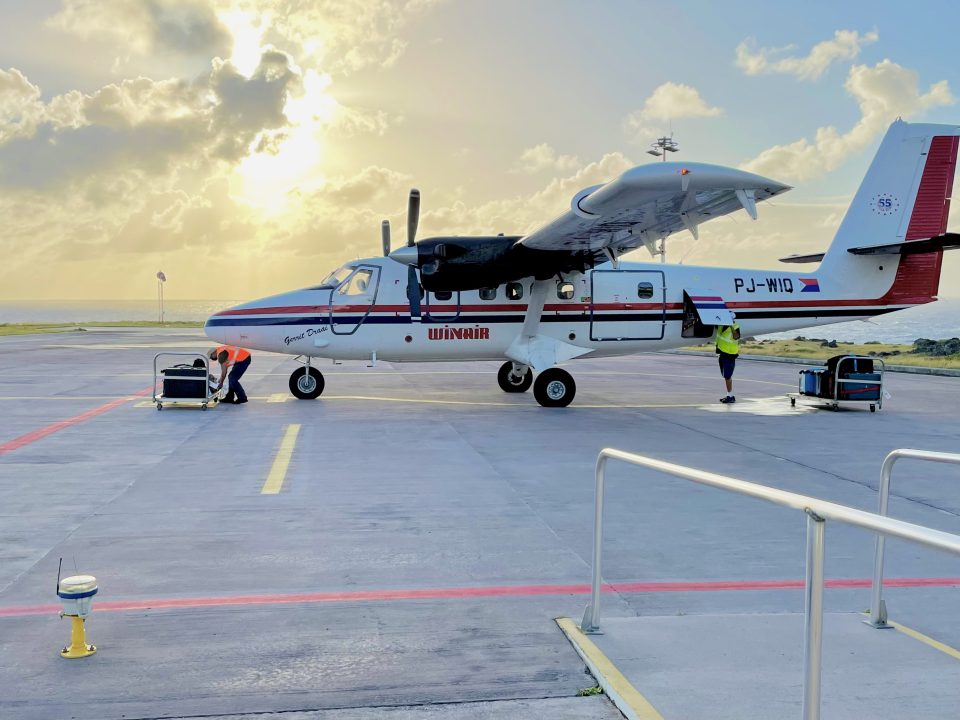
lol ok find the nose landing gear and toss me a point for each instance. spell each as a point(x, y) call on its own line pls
point(306, 383)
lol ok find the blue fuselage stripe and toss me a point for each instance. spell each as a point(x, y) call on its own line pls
point(655, 316)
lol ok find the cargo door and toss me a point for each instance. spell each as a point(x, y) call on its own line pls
point(627, 305)
point(703, 309)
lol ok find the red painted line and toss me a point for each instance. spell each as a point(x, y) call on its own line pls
point(471, 592)
point(40, 433)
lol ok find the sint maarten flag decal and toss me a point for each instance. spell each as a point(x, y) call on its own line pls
point(810, 285)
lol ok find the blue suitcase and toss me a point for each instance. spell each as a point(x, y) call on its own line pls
point(858, 390)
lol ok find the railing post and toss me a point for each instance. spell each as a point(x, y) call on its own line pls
point(878, 609)
point(813, 621)
point(591, 617)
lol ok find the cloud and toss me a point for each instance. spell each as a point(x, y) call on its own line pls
point(543, 157)
point(20, 106)
point(142, 125)
point(343, 36)
point(669, 101)
point(883, 93)
point(189, 27)
point(845, 45)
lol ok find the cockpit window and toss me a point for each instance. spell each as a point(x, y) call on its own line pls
point(358, 284)
point(335, 278)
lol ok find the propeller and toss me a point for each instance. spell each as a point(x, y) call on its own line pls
point(413, 216)
point(413, 282)
point(385, 237)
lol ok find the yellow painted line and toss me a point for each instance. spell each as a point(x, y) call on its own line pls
point(927, 640)
point(625, 696)
point(494, 404)
point(281, 462)
point(278, 397)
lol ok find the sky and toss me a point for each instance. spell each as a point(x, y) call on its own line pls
point(247, 148)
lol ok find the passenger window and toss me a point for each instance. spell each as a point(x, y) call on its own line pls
point(443, 295)
point(488, 293)
point(645, 290)
point(358, 284)
point(565, 290)
point(514, 291)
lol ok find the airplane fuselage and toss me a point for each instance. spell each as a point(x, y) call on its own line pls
point(638, 307)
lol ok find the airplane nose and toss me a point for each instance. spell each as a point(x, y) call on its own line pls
point(406, 255)
point(217, 331)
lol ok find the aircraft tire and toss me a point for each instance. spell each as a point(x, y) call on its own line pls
point(306, 387)
point(506, 380)
point(554, 388)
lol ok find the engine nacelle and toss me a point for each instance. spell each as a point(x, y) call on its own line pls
point(469, 263)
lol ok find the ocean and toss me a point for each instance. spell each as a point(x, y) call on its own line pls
point(937, 320)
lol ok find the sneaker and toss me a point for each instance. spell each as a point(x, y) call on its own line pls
point(728, 399)
point(239, 402)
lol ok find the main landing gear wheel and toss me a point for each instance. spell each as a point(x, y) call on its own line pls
point(512, 383)
point(554, 388)
point(306, 383)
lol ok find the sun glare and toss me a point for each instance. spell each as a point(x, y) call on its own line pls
point(247, 32)
point(267, 178)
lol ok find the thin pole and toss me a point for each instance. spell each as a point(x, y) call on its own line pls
point(591, 620)
point(878, 615)
point(813, 621)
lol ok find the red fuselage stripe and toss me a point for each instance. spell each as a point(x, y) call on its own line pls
point(567, 307)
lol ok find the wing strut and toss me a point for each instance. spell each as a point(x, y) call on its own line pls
point(534, 349)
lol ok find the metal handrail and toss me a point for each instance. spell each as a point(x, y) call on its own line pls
point(878, 608)
point(817, 511)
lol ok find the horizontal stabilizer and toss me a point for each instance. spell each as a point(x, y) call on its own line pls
point(947, 241)
point(811, 258)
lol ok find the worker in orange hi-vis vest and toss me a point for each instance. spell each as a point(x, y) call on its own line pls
point(235, 360)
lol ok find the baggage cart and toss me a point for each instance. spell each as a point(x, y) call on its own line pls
point(184, 384)
point(846, 379)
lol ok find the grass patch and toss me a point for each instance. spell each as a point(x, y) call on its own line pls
point(37, 328)
point(813, 351)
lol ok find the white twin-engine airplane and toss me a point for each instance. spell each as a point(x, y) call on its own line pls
point(561, 292)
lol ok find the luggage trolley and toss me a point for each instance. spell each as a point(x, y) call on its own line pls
point(845, 379)
point(184, 384)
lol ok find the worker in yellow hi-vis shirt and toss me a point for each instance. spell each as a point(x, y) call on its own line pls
point(728, 348)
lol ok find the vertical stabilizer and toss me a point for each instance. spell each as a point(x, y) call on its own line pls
point(905, 196)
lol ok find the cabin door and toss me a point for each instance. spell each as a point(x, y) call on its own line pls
point(627, 305)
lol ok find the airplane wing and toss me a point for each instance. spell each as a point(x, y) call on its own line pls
point(649, 203)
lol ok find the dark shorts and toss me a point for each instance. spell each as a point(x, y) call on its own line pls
point(727, 363)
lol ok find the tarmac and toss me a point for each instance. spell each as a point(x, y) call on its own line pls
point(401, 547)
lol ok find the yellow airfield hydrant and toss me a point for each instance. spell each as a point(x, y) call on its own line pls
point(77, 593)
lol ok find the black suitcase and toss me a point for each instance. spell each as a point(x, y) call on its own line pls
point(184, 382)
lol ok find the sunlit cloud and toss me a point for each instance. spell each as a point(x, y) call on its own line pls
point(883, 93)
point(845, 45)
point(669, 101)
